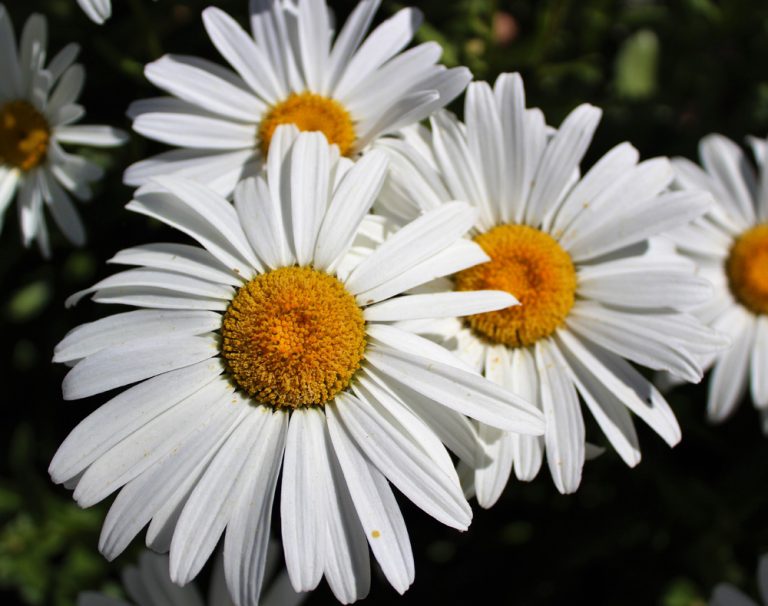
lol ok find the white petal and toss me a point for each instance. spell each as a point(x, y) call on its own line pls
point(402, 461)
point(9, 62)
point(348, 40)
point(210, 506)
point(460, 255)
point(149, 444)
point(179, 258)
point(124, 414)
point(203, 88)
point(561, 158)
point(759, 364)
point(248, 531)
point(98, 136)
point(459, 390)
point(624, 383)
point(613, 165)
point(384, 42)
point(262, 221)
point(135, 361)
point(351, 201)
point(485, 138)
point(310, 168)
point(726, 162)
point(141, 498)
point(98, 10)
point(347, 564)
point(303, 498)
point(198, 131)
point(564, 437)
point(523, 379)
point(120, 329)
point(243, 54)
point(729, 380)
point(439, 305)
point(424, 237)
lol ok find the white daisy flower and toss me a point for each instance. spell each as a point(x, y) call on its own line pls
point(273, 347)
point(726, 594)
point(730, 247)
point(288, 72)
point(594, 295)
point(148, 584)
point(38, 106)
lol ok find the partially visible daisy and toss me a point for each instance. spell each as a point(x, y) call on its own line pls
point(38, 106)
point(594, 294)
point(272, 346)
point(288, 72)
point(726, 594)
point(730, 247)
point(148, 584)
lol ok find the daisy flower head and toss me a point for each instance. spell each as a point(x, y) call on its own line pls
point(38, 109)
point(273, 345)
point(730, 247)
point(148, 584)
point(289, 71)
point(594, 294)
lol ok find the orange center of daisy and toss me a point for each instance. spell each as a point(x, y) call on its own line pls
point(293, 337)
point(533, 267)
point(310, 112)
point(24, 135)
point(747, 269)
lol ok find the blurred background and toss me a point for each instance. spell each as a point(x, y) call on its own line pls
point(664, 533)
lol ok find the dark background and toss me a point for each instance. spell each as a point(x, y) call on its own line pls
point(666, 74)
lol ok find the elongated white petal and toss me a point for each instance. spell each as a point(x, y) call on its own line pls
point(459, 390)
point(180, 258)
point(759, 362)
point(439, 305)
point(403, 462)
point(124, 414)
point(98, 136)
point(729, 380)
point(376, 507)
point(351, 200)
point(565, 435)
point(239, 49)
point(726, 162)
point(248, 531)
point(203, 88)
point(303, 498)
point(148, 444)
point(120, 329)
point(426, 236)
point(141, 498)
point(523, 379)
point(310, 166)
point(212, 501)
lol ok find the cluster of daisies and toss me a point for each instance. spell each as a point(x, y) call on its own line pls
point(374, 294)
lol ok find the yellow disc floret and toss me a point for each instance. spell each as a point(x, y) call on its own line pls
point(747, 269)
point(24, 135)
point(310, 112)
point(293, 337)
point(533, 267)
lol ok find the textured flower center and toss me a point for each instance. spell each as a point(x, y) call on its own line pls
point(533, 267)
point(293, 337)
point(310, 112)
point(747, 269)
point(24, 135)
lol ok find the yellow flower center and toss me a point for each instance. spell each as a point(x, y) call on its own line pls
point(310, 112)
point(293, 337)
point(533, 267)
point(747, 269)
point(24, 135)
